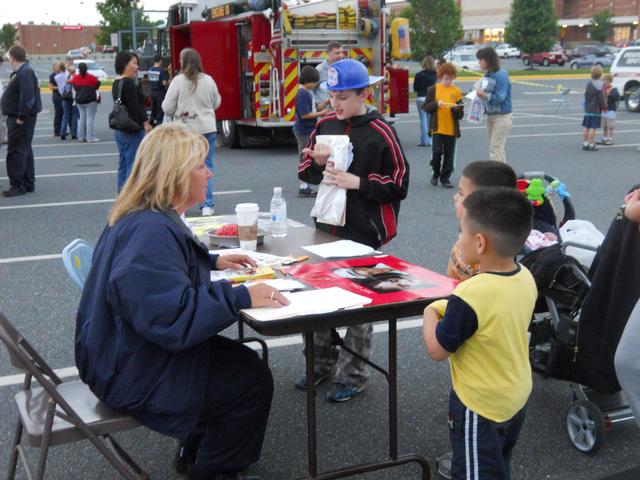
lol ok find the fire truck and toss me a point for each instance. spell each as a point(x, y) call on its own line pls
point(255, 49)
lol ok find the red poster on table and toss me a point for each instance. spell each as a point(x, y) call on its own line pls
point(384, 279)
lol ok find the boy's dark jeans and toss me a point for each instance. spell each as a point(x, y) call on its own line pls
point(481, 448)
point(444, 150)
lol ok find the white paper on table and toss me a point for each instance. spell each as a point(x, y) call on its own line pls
point(309, 302)
point(340, 248)
point(281, 284)
point(262, 259)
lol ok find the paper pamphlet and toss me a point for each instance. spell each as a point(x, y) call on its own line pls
point(281, 284)
point(239, 276)
point(310, 302)
point(340, 248)
point(262, 259)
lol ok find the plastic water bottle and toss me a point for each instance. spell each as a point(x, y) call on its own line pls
point(278, 214)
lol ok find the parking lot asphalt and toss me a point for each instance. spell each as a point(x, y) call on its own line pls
point(76, 184)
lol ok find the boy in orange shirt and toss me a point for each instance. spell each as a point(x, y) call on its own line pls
point(444, 105)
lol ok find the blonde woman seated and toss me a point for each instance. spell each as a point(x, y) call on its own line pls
point(147, 333)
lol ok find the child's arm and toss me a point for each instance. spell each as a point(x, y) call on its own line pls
point(430, 105)
point(445, 331)
point(312, 115)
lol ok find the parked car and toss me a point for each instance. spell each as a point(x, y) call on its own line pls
point(108, 49)
point(626, 76)
point(464, 61)
point(82, 52)
point(472, 49)
point(93, 68)
point(590, 60)
point(545, 58)
point(505, 50)
point(585, 49)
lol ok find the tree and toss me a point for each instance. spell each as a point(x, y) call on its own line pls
point(116, 15)
point(601, 26)
point(533, 25)
point(435, 26)
point(7, 35)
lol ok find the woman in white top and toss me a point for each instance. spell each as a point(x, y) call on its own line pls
point(192, 98)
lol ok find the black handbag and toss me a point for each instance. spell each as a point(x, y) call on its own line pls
point(120, 118)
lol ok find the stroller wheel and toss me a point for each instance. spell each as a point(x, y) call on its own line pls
point(585, 426)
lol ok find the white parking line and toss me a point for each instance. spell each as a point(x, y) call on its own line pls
point(72, 156)
point(564, 134)
point(74, 174)
point(271, 343)
point(30, 259)
point(74, 143)
point(89, 202)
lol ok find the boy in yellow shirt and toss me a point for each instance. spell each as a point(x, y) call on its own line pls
point(482, 330)
point(444, 105)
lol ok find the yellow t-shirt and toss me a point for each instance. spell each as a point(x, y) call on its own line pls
point(450, 95)
point(485, 328)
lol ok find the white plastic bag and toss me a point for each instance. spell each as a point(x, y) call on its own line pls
point(584, 232)
point(331, 202)
point(474, 114)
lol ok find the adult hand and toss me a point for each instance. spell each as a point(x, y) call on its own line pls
point(263, 295)
point(480, 93)
point(345, 180)
point(147, 127)
point(632, 206)
point(320, 153)
point(234, 262)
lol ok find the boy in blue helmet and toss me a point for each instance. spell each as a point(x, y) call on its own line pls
point(376, 181)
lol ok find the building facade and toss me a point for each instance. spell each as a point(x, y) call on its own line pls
point(41, 39)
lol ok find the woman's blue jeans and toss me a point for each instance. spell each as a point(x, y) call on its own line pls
point(424, 122)
point(211, 138)
point(127, 147)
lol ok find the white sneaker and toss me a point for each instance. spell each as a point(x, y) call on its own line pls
point(207, 211)
point(94, 140)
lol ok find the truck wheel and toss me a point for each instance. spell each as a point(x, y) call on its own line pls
point(632, 99)
point(545, 62)
point(506, 55)
point(526, 61)
point(229, 134)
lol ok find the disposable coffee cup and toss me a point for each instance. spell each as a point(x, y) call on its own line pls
point(247, 214)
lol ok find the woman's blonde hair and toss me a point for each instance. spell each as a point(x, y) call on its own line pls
point(161, 175)
point(191, 65)
point(428, 63)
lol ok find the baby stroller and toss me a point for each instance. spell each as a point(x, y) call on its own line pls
point(577, 326)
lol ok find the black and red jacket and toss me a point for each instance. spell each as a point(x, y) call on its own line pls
point(86, 88)
point(378, 159)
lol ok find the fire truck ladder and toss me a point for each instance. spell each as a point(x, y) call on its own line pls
point(274, 93)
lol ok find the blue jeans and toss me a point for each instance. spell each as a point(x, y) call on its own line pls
point(69, 119)
point(424, 122)
point(127, 147)
point(211, 138)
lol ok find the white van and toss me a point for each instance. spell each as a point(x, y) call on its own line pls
point(626, 74)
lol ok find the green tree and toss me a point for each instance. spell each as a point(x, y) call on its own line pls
point(601, 26)
point(116, 15)
point(533, 25)
point(7, 35)
point(435, 26)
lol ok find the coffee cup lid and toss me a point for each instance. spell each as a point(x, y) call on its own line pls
point(247, 208)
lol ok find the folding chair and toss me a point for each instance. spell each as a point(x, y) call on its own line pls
point(562, 100)
point(57, 413)
point(77, 260)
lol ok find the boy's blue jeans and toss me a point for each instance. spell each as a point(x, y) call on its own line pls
point(481, 448)
point(424, 122)
point(69, 119)
point(211, 138)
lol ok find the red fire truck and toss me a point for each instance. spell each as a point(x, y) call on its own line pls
point(254, 49)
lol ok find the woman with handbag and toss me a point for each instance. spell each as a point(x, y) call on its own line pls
point(86, 87)
point(129, 117)
point(192, 98)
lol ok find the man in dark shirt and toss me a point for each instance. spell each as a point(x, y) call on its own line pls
point(158, 81)
point(20, 104)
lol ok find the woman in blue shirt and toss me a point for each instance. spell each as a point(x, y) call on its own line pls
point(497, 103)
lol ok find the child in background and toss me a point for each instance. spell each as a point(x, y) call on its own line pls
point(444, 105)
point(612, 97)
point(306, 116)
point(484, 173)
point(376, 182)
point(594, 104)
point(482, 330)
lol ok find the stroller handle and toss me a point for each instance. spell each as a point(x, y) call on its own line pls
point(582, 246)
